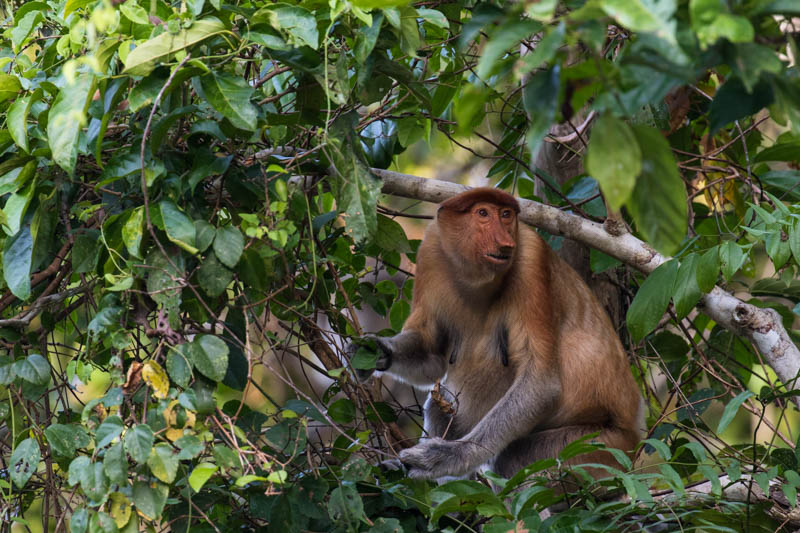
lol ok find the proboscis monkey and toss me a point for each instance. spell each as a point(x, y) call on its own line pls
point(523, 350)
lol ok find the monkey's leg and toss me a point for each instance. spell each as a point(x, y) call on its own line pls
point(548, 443)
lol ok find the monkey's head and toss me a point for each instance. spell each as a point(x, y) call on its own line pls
point(478, 230)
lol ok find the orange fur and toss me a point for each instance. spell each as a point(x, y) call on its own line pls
point(525, 351)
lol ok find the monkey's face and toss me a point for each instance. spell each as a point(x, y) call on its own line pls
point(484, 237)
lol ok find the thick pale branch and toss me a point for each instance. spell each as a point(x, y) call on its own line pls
point(762, 326)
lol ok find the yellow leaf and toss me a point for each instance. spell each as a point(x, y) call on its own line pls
point(174, 432)
point(154, 375)
point(120, 509)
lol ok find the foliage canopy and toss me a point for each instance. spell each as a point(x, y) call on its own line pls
point(161, 268)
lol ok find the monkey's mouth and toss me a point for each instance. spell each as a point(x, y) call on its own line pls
point(498, 258)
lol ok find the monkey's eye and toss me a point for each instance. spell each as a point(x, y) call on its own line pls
point(506, 213)
point(483, 212)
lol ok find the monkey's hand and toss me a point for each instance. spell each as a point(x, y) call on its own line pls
point(382, 349)
point(435, 458)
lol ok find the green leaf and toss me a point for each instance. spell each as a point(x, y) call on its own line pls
point(778, 250)
point(345, 506)
point(545, 50)
point(18, 118)
point(230, 95)
point(357, 189)
point(733, 102)
point(366, 37)
point(342, 411)
point(205, 233)
point(399, 313)
point(110, 429)
point(201, 474)
point(163, 462)
point(297, 24)
point(162, 277)
point(179, 365)
point(150, 498)
point(17, 258)
point(115, 464)
point(708, 270)
point(503, 38)
point(77, 469)
point(33, 369)
point(65, 439)
point(658, 204)
point(731, 258)
point(229, 245)
point(24, 27)
point(731, 409)
point(540, 98)
point(132, 232)
point(210, 356)
point(138, 442)
point(95, 483)
point(687, 291)
point(214, 277)
point(391, 236)
point(65, 120)
point(651, 300)
point(633, 14)
point(143, 59)
point(79, 521)
point(711, 21)
point(9, 86)
point(17, 206)
point(179, 227)
point(410, 40)
point(794, 241)
point(614, 159)
point(433, 16)
point(24, 462)
point(134, 12)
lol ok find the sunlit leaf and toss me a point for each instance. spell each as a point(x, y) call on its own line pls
point(143, 59)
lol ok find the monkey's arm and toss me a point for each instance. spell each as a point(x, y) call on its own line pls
point(408, 356)
point(525, 404)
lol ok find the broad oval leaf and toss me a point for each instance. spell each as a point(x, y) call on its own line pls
point(230, 95)
point(150, 498)
point(17, 258)
point(228, 245)
point(24, 461)
point(144, 58)
point(33, 369)
point(210, 356)
point(614, 159)
point(163, 462)
point(651, 300)
point(138, 442)
point(179, 227)
point(110, 429)
point(65, 439)
point(201, 474)
point(65, 120)
point(687, 291)
point(658, 203)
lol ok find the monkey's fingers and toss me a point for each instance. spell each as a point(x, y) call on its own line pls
point(393, 465)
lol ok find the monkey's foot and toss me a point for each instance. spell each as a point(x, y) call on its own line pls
point(436, 458)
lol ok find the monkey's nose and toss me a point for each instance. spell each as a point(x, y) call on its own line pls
point(506, 249)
